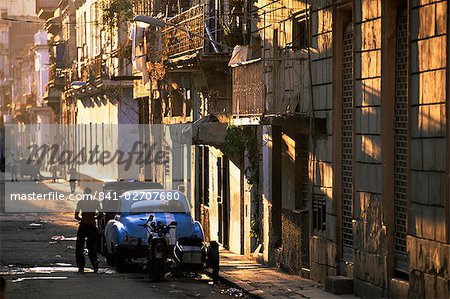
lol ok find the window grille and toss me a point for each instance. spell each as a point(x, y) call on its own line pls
point(347, 136)
point(401, 143)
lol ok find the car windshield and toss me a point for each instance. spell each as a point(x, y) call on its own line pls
point(162, 206)
point(154, 201)
point(113, 190)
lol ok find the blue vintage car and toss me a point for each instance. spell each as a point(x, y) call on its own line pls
point(126, 237)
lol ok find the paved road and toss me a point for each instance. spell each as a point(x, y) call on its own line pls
point(37, 262)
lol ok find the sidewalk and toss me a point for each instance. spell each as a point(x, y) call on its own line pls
point(61, 185)
point(266, 282)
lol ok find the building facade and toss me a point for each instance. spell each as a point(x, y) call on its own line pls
point(376, 204)
point(347, 102)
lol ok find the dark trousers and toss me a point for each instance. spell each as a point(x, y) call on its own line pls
point(73, 184)
point(13, 175)
point(86, 232)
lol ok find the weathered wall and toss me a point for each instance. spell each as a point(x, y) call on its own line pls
point(322, 242)
point(288, 170)
point(429, 257)
point(290, 257)
point(89, 114)
point(289, 88)
point(369, 230)
point(372, 258)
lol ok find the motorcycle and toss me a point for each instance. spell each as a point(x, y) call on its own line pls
point(158, 247)
point(183, 255)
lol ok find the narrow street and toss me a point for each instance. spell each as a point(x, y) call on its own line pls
point(37, 259)
point(278, 149)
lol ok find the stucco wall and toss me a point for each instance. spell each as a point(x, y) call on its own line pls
point(100, 114)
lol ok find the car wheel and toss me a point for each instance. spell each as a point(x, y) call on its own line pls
point(176, 273)
point(109, 259)
point(214, 260)
point(109, 256)
point(157, 270)
point(104, 247)
point(116, 260)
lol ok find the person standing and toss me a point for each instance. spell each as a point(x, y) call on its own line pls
point(54, 170)
point(73, 179)
point(87, 212)
point(13, 166)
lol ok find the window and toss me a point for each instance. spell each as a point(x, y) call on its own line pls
point(177, 101)
point(319, 212)
point(300, 30)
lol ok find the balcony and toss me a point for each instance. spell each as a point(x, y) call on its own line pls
point(178, 42)
point(252, 105)
point(55, 77)
point(85, 72)
point(248, 89)
point(201, 21)
point(46, 8)
point(99, 71)
point(53, 25)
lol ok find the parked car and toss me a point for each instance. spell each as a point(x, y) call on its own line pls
point(110, 203)
point(149, 214)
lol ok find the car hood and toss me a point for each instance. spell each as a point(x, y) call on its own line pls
point(185, 224)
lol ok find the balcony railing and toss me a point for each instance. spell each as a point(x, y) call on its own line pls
point(55, 75)
point(99, 71)
point(194, 27)
point(178, 41)
point(52, 73)
point(85, 72)
point(248, 89)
